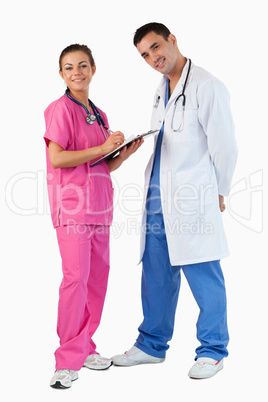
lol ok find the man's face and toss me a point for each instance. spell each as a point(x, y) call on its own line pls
point(160, 54)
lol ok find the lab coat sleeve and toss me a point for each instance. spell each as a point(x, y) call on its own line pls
point(215, 116)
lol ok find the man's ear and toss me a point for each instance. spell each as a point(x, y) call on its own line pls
point(172, 39)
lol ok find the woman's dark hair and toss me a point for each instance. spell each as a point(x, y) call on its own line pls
point(77, 48)
point(159, 29)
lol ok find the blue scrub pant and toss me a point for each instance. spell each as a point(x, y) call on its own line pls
point(160, 290)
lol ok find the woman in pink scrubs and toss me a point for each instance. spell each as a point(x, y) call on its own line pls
point(81, 202)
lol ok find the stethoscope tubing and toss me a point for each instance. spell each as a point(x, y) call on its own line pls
point(183, 96)
point(184, 86)
point(95, 112)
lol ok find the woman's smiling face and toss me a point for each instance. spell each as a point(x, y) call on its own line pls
point(77, 71)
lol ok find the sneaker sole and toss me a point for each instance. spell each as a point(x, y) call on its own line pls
point(136, 363)
point(98, 369)
point(58, 385)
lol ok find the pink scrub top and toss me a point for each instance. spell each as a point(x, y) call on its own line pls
point(82, 194)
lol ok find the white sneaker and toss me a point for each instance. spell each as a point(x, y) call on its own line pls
point(205, 367)
point(97, 362)
point(63, 378)
point(135, 356)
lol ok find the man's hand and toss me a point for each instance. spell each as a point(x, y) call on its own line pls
point(221, 203)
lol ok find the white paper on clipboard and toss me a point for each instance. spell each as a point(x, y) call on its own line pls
point(127, 143)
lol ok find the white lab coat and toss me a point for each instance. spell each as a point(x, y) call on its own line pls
point(196, 165)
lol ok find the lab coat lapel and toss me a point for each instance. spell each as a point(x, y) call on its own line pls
point(161, 90)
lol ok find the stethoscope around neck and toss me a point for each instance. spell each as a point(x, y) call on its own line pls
point(180, 96)
point(92, 117)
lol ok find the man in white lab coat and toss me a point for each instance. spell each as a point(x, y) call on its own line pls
point(187, 177)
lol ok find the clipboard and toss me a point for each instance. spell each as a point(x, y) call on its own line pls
point(127, 143)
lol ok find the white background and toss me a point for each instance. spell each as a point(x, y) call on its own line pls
point(230, 40)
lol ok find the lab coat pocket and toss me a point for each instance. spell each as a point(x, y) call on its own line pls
point(194, 192)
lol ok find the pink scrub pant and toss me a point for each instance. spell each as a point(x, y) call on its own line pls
point(85, 264)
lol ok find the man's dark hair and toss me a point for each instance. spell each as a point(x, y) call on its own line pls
point(159, 29)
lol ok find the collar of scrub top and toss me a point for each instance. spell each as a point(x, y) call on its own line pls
point(90, 119)
point(167, 92)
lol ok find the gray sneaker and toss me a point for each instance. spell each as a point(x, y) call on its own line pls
point(63, 378)
point(97, 362)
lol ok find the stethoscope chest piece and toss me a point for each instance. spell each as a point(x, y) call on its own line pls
point(91, 118)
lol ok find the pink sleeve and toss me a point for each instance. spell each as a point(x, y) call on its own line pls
point(58, 124)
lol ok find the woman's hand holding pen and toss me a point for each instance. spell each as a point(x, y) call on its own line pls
point(113, 141)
